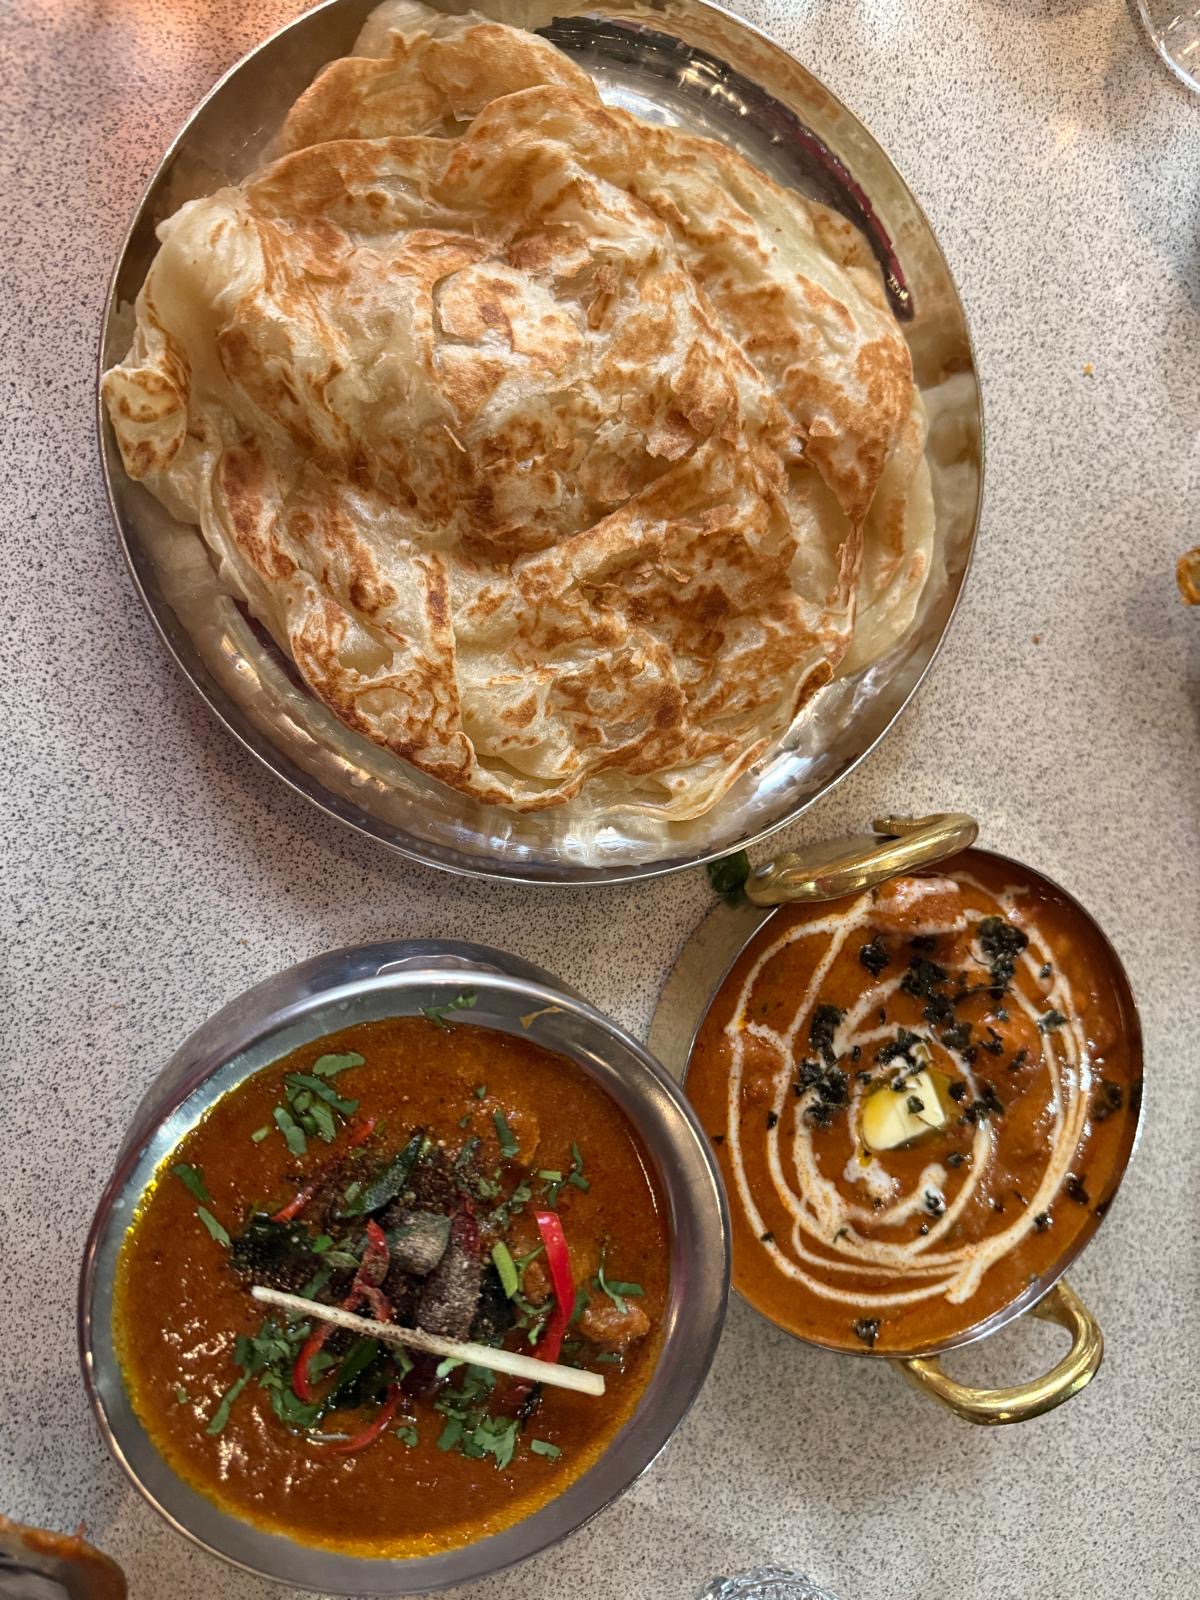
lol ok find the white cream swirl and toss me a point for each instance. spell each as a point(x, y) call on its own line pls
point(927, 1266)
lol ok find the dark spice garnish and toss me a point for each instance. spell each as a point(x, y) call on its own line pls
point(1051, 1021)
point(957, 1090)
point(874, 957)
point(958, 1037)
point(856, 1052)
point(991, 1099)
point(997, 1205)
point(923, 978)
point(820, 1113)
point(809, 1072)
point(825, 1023)
point(1042, 1221)
point(988, 1104)
point(1108, 1098)
point(934, 1203)
point(867, 1329)
point(939, 1010)
point(1001, 942)
point(915, 1104)
point(955, 1158)
point(767, 1238)
point(993, 1044)
point(901, 1045)
point(923, 1229)
point(717, 1138)
point(834, 1087)
point(1019, 1060)
point(772, 1118)
point(923, 941)
point(864, 1077)
point(1075, 1190)
point(971, 1054)
point(1045, 971)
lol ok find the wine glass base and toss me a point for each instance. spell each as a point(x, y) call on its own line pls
point(1174, 29)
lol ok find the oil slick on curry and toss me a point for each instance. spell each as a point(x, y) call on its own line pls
point(414, 1171)
point(921, 1096)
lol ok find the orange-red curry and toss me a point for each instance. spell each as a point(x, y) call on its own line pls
point(920, 1096)
point(430, 1149)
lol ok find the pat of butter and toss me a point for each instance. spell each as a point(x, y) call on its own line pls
point(888, 1121)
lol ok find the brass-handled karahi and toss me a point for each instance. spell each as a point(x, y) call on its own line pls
point(827, 870)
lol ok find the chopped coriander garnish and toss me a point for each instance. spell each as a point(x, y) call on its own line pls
point(192, 1180)
point(550, 1175)
point(213, 1226)
point(450, 1434)
point(291, 1131)
point(407, 1435)
point(438, 1014)
point(729, 874)
point(616, 1292)
point(575, 1176)
point(480, 1091)
point(446, 1367)
point(181, 1396)
point(465, 1120)
point(323, 1091)
point(543, 1447)
point(509, 1148)
point(510, 1278)
point(221, 1415)
point(330, 1066)
point(260, 1134)
point(321, 1243)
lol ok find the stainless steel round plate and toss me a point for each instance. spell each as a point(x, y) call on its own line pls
point(682, 62)
point(362, 985)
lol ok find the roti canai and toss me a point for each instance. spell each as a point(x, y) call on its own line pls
point(562, 453)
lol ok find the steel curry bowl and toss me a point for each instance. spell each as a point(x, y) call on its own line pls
point(837, 871)
point(367, 984)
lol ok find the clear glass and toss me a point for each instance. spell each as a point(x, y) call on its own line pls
point(1174, 27)
point(764, 1583)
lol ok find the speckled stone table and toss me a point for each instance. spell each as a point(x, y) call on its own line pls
point(152, 870)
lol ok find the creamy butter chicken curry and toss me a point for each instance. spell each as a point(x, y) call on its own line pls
point(920, 1096)
point(416, 1171)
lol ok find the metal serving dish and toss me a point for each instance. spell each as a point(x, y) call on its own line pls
point(683, 62)
point(825, 871)
point(363, 984)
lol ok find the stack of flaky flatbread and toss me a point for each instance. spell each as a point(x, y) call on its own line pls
point(564, 454)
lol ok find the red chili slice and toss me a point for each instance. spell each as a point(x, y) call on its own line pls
point(558, 1260)
point(308, 1350)
point(360, 1441)
point(372, 1270)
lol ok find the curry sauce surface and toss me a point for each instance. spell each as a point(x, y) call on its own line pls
point(898, 1250)
point(180, 1305)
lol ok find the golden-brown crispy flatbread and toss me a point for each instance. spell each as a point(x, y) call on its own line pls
point(555, 448)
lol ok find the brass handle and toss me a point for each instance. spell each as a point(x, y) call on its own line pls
point(1073, 1372)
point(831, 868)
